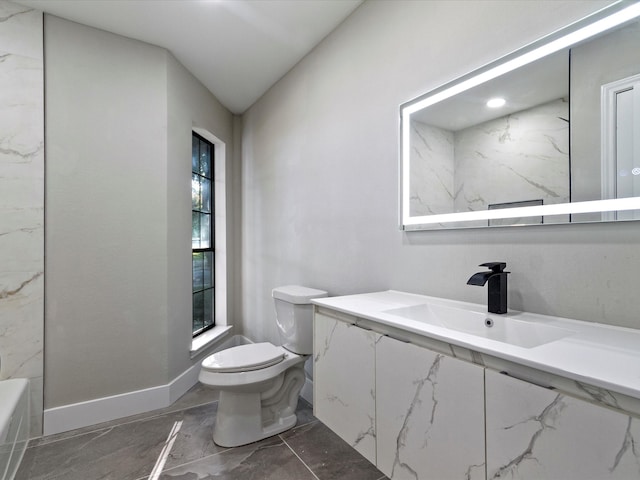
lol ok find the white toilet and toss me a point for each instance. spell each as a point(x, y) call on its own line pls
point(259, 383)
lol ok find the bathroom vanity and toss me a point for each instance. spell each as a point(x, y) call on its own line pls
point(425, 387)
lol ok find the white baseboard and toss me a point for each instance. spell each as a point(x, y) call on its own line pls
point(105, 409)
point(182, 383)
point(82, 414)
point(91, 412)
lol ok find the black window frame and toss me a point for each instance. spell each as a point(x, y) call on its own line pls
point(200, 316)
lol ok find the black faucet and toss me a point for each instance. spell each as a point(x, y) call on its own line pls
point(497, 277)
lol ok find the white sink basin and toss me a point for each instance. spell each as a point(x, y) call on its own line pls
point(526, 334)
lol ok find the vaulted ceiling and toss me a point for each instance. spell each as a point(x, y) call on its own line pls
point(237, 48)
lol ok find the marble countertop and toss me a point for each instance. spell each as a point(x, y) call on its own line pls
point(600, 355)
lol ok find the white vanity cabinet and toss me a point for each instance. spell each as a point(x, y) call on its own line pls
point(344, 381)
point(439, 408)
point(408, 410)
point(417, 413)
point(429, 414)
point(537, 433)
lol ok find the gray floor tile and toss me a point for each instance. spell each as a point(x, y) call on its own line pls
point(197, 395)
point(114, 453)
point(327, 455)
point(126, 451)
point(195, 437)
point(304, 412)
point(122, 452)
point(269, 459)
point(129, 450)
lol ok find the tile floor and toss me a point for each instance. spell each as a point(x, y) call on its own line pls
point(128, 449)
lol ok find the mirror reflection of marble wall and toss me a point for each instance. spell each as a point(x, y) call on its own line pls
point(432, 170)
point(520, 157)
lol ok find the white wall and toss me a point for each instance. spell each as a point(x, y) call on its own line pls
point(320, 187)
point(22, 200)
point(106, 244)
point(191, 105)
point(118, 248)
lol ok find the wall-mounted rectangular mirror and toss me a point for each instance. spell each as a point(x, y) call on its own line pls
point(547, 134)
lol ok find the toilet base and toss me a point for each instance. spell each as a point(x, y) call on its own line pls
point(246, 417)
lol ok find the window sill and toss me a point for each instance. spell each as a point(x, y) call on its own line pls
point(205, 340)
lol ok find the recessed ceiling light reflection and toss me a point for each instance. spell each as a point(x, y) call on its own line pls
point(496, 103)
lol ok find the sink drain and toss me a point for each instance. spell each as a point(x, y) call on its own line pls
point(488, 322)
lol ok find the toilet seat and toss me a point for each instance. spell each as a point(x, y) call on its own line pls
point(259, 384)
point(244, 358)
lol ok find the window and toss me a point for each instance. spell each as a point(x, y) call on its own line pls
point(202, 234)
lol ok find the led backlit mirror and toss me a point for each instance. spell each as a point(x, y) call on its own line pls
point(544, 135)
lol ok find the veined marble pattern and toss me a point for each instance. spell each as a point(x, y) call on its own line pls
point(344, 382)
point(523, 156)
point(443, 411)
point(520, 157)
point(537, 433)
point(432, 164)
point(129, 449)
point(22, 201)
point(430, 414)
point(596, 395)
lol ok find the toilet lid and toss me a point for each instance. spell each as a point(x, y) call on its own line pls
point(244, 358)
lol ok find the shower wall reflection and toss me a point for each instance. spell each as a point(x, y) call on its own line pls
point(521, 157)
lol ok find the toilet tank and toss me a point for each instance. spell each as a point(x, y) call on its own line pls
point(294, 316)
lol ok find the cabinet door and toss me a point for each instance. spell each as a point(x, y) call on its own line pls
point(344, 382)
point(430, 414)
point(537, 433)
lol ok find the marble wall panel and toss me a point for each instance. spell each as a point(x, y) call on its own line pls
point(519, 157)
point(432, 169)
point(535, 432)
point(344, 385)
point(429, 414)
point(22, 200)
